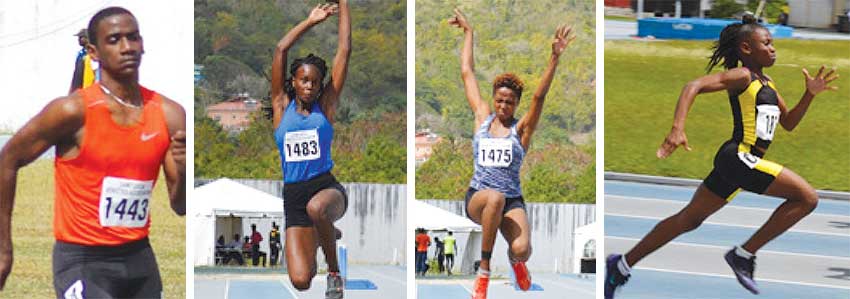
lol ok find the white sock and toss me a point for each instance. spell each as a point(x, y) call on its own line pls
point(623, 266)
point(483, 272)
point(740, 251)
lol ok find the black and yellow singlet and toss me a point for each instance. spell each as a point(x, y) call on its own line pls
point(755, 112)
point(738, 163)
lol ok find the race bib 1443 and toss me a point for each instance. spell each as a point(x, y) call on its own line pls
point(494, 152)
point(125, 202)
point(301, 146)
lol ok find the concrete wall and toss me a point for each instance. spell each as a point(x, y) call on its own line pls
point(373, 227)
point(552, 227)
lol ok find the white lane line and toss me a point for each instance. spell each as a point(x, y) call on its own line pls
point(591, 291)
point(831, 257)
point(728, 206)
point(465, 288)
point(376, 273)
point(287, 289)
point(226, 288)
point(759, 279)
point(845, 235)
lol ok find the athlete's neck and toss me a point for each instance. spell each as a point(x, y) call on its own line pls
point(125, 89)
point(301, 106)
point(754, 68)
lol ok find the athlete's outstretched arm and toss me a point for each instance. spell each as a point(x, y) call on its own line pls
point(58, 123)
point(734, 79)
point(174, 163)
point(331, 92)
point(279, 97)
point(467, 71)
point(528, 123)
point(814, 85)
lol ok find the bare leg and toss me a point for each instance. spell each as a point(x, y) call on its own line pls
point(517, 233)
point(801, 199)
point(300, 249)
point(324, 208)
point(703, 204)
point(485, 208)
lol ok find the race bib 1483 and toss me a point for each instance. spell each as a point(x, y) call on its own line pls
point(301, 146)
point(125, 202)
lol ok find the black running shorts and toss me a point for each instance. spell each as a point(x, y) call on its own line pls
point(510, 202)
point(737, 166)
point(123, 271)
point(297, 195)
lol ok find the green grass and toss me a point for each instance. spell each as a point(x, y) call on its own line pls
point(32, 237)
point(642, 84)
point(621, 18)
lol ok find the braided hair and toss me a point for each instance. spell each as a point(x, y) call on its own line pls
point(310, 59)
point(726, 48)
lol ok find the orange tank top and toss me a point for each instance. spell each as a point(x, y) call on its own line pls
point(103, 195)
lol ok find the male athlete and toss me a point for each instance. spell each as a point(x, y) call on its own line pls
point(111, 139)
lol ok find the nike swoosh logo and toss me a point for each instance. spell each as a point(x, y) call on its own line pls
point(146, 137)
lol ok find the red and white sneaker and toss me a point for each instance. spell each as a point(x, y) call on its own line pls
point(523, 278)
point(481, 284)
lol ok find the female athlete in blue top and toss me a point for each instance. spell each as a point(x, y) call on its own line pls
point(494, 198)
point(303, 110)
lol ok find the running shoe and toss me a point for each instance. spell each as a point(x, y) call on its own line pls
point(335, 286)
point(614, 279)
point(523, 278)
point(744, 269)
point(481, 284)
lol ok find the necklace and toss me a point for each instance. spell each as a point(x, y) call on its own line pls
point(119, 100)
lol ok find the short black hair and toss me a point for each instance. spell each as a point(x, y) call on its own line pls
point(99, 16)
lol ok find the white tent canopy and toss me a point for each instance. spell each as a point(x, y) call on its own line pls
point(225, 199)
point(581, 246)
point(430, 217)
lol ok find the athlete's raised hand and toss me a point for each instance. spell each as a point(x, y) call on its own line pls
point(818, 83)
point(178, 150)
point(562, 39)
point(675, 139)
point(322, 12)
point(459, 21)
point(5, 266)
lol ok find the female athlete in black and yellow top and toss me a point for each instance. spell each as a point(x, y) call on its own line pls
point(303, 109)
point(757, 108)
point(494, 198)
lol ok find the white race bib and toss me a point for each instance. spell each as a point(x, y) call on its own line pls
point(301, 146)
point(766, 120)
point(125, 202)
point(494, 152)
point(749, 159)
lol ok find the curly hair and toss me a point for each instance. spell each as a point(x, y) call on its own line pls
point(310, 59)
point(91, 30)
point(726, 48)
point(510, 81)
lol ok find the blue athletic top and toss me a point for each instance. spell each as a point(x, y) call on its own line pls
point(304, 143)
point(497, 160)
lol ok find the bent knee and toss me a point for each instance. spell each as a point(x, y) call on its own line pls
point(809, 198)
point(689, 223)
point(521, 249)
point(301, 283)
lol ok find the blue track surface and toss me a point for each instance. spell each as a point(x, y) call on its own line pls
point(723, 235)
point(258, 289)
point(743, 199)
point(811, 263)
point(647, 284)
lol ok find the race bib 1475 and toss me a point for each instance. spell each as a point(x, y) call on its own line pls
point(494, 152)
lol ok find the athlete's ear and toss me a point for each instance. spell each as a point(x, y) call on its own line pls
point(744, 46)
point(92, 51)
